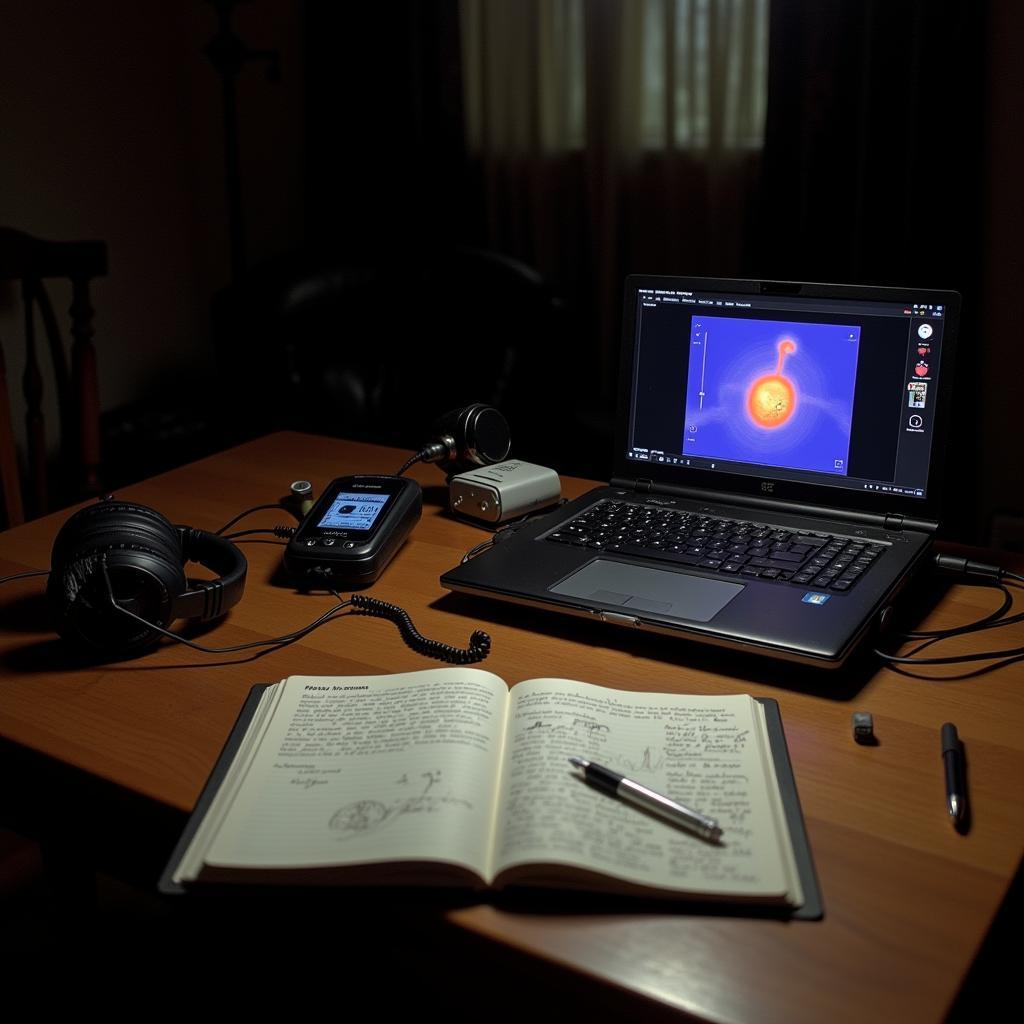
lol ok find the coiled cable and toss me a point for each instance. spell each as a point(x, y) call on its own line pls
point(479, 643)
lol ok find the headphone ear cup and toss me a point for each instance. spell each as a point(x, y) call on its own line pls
point(108, 557)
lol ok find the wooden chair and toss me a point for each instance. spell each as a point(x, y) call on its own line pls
point(31, 261)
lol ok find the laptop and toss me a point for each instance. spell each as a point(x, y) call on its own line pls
point(777, 466)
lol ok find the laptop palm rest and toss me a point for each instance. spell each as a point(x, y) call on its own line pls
point(641, 589)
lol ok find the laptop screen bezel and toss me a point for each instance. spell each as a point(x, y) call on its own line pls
point(766, 487)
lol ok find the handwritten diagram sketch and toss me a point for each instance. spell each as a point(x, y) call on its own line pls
point(360, 817)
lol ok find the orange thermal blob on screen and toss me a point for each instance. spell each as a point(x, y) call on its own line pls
point(772, 398)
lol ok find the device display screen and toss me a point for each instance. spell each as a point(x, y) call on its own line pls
point(803, 389)
point(354, 511)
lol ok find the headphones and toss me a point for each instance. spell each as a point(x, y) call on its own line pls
point(475, 435)
point(117, 554)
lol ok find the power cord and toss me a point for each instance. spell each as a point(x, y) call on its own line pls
point(984, 575)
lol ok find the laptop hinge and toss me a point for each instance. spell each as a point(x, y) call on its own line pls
point(644, 485)
point(894, 522)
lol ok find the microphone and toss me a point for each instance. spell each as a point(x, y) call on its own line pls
point(473, 435)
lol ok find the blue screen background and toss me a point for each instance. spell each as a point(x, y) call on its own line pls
point(727, 355)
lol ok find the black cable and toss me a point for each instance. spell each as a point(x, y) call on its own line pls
point(418, 457)
point(989, 621)
point(505, 531)
point(479, 642)
point(949, 678)
point(247, 512)
point(284, 532)
point(482, 546)
point(958, 659)
point(990, 576)
point(260, 540)
point(24, 575)
point(433, 452)
point(478, 649)
point(281, 641)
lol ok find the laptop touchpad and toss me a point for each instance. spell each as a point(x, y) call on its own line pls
point(637, 588)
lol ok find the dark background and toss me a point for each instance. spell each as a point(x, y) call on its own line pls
point(892, 156)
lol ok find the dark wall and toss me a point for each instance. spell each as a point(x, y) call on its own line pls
point(888, 159)
point(893, 155)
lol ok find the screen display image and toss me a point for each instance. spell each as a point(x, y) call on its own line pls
point(351, 511)
point(771, 392)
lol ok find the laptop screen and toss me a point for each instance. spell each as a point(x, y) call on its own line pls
point(787, 387)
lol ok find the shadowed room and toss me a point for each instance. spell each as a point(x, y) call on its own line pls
point(264, 176)
point(223, 219)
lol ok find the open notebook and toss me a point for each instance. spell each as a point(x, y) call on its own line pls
point(777, 467)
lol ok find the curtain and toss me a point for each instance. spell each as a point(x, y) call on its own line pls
point(613, 136)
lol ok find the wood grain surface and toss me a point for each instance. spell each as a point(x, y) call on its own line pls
point(908, 900)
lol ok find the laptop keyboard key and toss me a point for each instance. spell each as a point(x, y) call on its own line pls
point(727, 546)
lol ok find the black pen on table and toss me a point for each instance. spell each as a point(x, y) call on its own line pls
point(640, 796)
point(953, 761)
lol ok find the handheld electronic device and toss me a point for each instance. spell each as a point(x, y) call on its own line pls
point(353, 531)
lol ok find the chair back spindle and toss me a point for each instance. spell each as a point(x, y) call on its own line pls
point(31, 262)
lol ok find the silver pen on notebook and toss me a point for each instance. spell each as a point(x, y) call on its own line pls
point(640, 796)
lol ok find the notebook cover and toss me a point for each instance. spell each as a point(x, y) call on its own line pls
point(167, 885)
point(813, 908)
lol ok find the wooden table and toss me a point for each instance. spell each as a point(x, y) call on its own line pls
point(908, 900)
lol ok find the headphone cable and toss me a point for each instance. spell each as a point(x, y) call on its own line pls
point(478, 649)
point(24, 575)
point(249, 511)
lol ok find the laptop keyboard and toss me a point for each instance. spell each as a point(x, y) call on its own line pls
point(731, 547)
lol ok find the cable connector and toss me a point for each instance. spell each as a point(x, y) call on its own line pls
point(443, 448)
point(435, 451)
point(966, 567)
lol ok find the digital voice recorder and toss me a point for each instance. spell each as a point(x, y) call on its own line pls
point(353, 531)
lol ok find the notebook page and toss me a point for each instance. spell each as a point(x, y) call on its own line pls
point(702, 751)
point(358, 769)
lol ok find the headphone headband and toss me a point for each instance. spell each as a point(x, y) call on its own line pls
point(209, 599)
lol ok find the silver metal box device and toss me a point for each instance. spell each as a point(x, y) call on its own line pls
point(506, 490)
